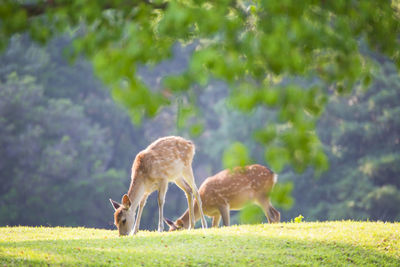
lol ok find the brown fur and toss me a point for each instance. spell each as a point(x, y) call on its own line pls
point(232, 190)
point(117, 216)
point(168, 159)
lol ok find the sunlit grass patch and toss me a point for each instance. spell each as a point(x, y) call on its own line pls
point(330, 243)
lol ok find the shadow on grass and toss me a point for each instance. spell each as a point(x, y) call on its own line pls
point(187, 250)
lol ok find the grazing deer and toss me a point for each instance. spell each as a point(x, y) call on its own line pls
point(168, 159)
point(232, 190)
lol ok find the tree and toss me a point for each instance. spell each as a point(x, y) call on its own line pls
point(250, 45)
point(63, 141)
point(53, 161)
point(361, 137)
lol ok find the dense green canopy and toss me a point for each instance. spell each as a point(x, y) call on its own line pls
point(258, 47)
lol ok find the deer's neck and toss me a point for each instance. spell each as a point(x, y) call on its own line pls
point(136, 192)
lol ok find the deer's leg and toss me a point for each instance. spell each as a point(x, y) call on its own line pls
point(215, 220)
point(161, 199)
point(181, 183)
point(273, 216)
point(189, 178)
point(139, 215)
point(224, 210)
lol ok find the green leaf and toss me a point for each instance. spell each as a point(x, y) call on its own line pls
point(196, 129)
point(277, 157)
point(251, 214)
point(270, 96)
point(184, 113)
point(282, 195)
point(236, 155)
point(177, 83)
point(266, 135)
point(299, 219)
point(321, 163)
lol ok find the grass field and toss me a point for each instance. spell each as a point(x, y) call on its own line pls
point(329, 243)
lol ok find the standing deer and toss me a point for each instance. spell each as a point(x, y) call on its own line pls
point(168, 159)
point(232, 190)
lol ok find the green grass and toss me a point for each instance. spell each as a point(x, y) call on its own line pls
point(331, 243)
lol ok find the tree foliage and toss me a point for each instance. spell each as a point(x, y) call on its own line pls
point(361, 137)
point(66, 147)
point(250, 45)
point(64, 143)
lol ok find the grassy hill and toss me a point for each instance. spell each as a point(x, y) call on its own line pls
point(328, 243)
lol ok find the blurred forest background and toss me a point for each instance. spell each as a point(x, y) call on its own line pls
point(86, 85)
point(66, 146)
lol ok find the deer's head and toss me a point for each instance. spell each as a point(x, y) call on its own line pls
point(124, 215)
point(173, 226)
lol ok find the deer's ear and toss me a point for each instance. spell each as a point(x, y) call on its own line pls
point(115, 204)
point(126, 201)
point(169, 222)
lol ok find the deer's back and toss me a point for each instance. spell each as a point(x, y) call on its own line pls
point(166, 157)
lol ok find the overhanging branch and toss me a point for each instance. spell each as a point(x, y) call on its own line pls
point(38, 9)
